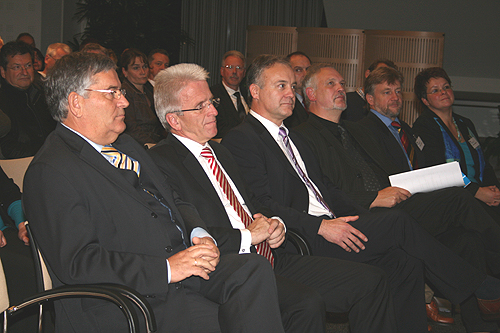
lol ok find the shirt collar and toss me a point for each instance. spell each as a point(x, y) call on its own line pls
point(193, 146)
point(96, 146)
point(271, 127)
point(230, 91)
point(386, 120)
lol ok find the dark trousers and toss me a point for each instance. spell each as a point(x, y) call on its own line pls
point(308, 284)
point(397, 244)
point(460, 222)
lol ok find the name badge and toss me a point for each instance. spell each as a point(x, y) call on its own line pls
point(420, 143)
point(473, 142)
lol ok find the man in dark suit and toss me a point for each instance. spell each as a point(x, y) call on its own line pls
point(305, 283)
point(102, 212)
point(284, 175)
point(233, 107)
point(300, 63)
point(351, 158)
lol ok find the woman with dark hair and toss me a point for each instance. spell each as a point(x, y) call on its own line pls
point(140, 116)
point(449, 137)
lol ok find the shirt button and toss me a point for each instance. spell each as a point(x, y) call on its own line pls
point(154, 215)
point(168, 249)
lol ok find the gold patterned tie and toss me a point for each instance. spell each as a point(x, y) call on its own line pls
point(121, 160)
point(262, 248)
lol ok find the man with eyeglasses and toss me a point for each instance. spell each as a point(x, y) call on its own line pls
point(233, 107)
point(204, 171)
point(300, 63)
point(102, 212)
point(23, 101)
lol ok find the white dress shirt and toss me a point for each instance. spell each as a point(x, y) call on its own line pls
point(315, 207)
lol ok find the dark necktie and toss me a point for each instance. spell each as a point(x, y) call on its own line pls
point(241, 109)
point(302, 174)
point(262, 248)
point(121, 160)
point(369, 179)
point(410, 151)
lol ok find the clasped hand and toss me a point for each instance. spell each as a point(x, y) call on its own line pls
point(266, 229)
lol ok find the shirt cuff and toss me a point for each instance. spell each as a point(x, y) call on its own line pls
point(246, 241)
point(279, 219)
point(169, 275)
point(200, 233)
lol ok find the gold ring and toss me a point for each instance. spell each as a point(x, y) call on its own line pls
point(195, 262)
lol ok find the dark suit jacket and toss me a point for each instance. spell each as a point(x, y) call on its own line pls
point(187, 177)
point(93, 226)
point(228, 116)
point(434, 149)
point(388, 142)
point(298, 116)
point(338, 165)
point(273, 180)
point(356, 107)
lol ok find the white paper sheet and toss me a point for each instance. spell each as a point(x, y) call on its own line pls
point(429, 179)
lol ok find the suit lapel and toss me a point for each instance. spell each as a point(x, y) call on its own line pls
point(392, 147)
point(231, 169)
point(228, 103)
point(272, 145)
point(195, 170)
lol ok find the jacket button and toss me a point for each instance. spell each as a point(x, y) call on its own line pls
point(154, 215)
point(168, 249)
point(178, 285)
point(358, 175)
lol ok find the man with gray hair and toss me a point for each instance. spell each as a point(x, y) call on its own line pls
point(54, 52)
point(204, 171)
point(233, 107)
point(102, 212)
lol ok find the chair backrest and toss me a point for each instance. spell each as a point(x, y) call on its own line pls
point(16, 168)
point(43, 279)
point(4, 294)
point(4, 297)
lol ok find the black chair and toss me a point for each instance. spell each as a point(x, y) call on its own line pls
point(299, 242)
point(63, 292)
point(121, 295)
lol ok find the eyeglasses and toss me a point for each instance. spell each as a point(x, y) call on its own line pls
point(238, 68)
point(116, 93)
point(17, 68)
point(213, 101)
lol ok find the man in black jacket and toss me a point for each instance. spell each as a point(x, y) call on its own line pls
point(23, 101)
point(233, 107)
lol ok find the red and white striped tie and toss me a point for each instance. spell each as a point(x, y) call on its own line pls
point(262, 248)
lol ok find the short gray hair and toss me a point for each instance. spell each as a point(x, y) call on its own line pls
point(310, 80)
point(51, 50)
point(73, 73)
point(233, 53)
point(169, 83)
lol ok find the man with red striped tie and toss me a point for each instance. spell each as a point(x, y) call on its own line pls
point(204, 172)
